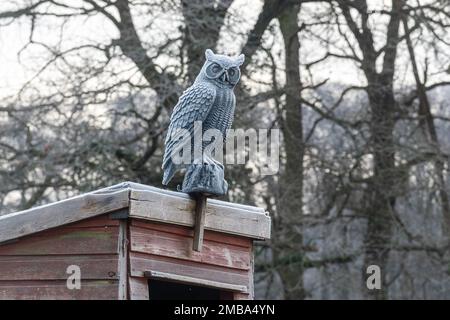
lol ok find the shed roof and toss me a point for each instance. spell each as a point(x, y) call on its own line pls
point(143, 202)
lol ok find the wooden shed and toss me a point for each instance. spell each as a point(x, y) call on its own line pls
point(129, 241)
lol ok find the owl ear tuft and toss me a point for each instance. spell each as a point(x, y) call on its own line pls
point(240, 59)
point(209, 54)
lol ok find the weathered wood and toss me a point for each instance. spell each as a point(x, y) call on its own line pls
point(145, 194)
point(43, 290)
point(241, 296)
point(194, 281)
point(30, 221)
point(173, 207)
point(119, 214)
point(92, 240)
point(180, 246)
point(136, 194)
point(35, 266)
point(138, 288)
point(43, 267)
point(251, 281)
point(179, 210)
point(98, 221)
point(199, 222)
point(159, 239)
point(139, 263)
point(218, 237)
point(122, 264)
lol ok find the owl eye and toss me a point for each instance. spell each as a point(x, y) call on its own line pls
point(233, 73)
point(213, 71)
point(216, 68)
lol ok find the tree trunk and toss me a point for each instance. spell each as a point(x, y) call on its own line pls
point(381, 198)
point(289, 248)
point(203, 20)
point(382, 189)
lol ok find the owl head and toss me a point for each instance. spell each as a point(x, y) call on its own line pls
point(221, 70)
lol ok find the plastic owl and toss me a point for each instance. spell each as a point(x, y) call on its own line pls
point(211, 101)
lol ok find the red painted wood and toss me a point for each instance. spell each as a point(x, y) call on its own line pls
point(138, 288)
point(93, 243)
point(92, 240)
point(54, 267)
point(168, 248)
point(27, 290)
point(34, 267)
point(180, 246)
point(188, 232)
point(99, 221)
point(140, 262)
point(241, 296)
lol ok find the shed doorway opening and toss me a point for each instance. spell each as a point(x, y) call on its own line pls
point(165, 290)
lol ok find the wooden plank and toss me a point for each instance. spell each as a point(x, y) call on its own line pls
point(57, 290)
point(241, 296)
point(218, 237)
point(30, 221)
point(194, 281)
point(251, 280)
point(55, 267)
point(147, 195)
point(139, 263)
point(98, 221)
point(136, 194)
point(178, 210)
point(94, 240)
point(123, 259)
point(199, 222)
point(180, 246)
point(138, 288)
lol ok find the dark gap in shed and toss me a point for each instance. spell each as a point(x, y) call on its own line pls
point(164, 290)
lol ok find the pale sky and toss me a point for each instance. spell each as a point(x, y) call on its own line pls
point(13, 74)
point(14, 36)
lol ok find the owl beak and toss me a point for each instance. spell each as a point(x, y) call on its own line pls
point(224, 77)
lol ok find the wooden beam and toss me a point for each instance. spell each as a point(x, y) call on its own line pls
point(137, 187)
point(140, 262)
point(194, 281)
point(179, 246)
point(246, 221)
point(138, 287)
point(200, 212)
point(53, 215)
point(122, 264)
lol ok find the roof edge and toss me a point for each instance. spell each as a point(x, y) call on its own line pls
point(22, 223)
point(122, 195)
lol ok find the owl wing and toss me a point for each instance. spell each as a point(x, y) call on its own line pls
point(230, 117)
point(193, 105)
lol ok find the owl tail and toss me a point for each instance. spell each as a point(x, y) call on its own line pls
point(168, 174)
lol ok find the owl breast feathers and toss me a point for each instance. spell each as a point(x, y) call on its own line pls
point(209, 100)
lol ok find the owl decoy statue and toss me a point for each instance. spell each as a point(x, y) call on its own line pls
point(211, 101)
